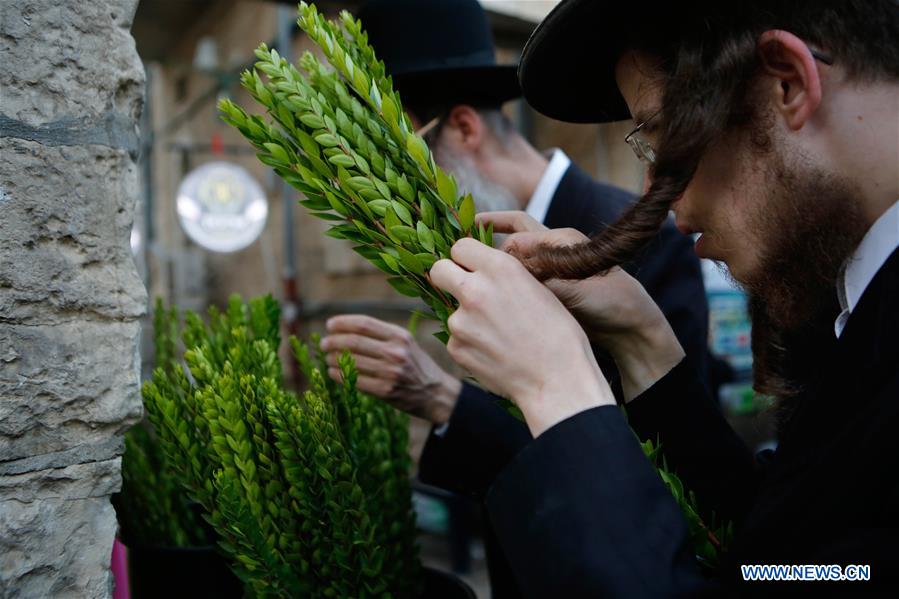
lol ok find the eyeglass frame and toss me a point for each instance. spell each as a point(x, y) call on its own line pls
point(643, 149)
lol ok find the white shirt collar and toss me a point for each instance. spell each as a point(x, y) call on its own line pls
point(879, 242)
point(542, 197)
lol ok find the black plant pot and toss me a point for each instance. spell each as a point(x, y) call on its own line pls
point(192, 572)
point(180, 572)
point(443, 585)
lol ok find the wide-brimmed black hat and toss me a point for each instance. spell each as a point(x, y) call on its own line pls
point(439, 52)
point(567, 68)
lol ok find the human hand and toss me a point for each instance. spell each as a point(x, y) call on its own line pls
point(392, 366)
point(615, 311)
point(517, 339)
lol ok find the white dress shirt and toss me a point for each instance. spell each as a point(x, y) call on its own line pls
point(879, 242)
point(543, 194)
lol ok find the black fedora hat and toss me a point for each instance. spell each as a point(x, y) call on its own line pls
point(567, 68)
point(557, 76)
point(439, 52)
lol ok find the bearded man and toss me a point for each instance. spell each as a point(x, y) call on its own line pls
point(772, 131)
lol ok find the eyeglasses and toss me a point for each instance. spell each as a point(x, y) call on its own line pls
point(640, 145)
point(424, 130)
point(431, 130)
point(644, 150)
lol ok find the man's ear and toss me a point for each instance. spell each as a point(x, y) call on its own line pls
point(795, 81)
point(470, 129)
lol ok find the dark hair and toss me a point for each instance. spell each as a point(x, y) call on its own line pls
point(707, 65)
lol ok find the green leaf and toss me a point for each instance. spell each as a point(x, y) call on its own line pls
point(361, 164)
point(391, 219)
point(342, 160)
point(312, 121)
point(375, 95)
point(425, 237)
point(405, 189)
point(427, 210)
point(402, 212)
point(404, 287)
point(336, 204)
point(308, 144)
point(418, 149)
point(327, 140)
point(382, 188)
point(388, 110)
point(360, 183)
point(403, 233)
point(446, 187)
point(278, 152)
point(427, 260)
point(467, 212)
point(391, 262)
point(409, 261)
point(379, 207)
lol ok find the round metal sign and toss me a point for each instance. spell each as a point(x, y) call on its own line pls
point(221, 207)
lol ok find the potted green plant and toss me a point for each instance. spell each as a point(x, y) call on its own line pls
point(309, 495)
point(166, 536)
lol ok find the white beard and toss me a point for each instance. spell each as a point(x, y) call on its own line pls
point(488, 195)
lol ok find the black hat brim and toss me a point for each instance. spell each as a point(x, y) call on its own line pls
point(567, 68)
point(489, 85)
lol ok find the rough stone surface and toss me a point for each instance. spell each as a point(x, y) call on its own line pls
point(65, 231)
point(65, 385)
point(56, 531)
point(70, 297)
point(69, 62)
point(82, 454)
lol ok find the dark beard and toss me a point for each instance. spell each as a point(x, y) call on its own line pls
point(809, 226)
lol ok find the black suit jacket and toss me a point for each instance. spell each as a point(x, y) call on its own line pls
point(580, 513)
point(482, 437)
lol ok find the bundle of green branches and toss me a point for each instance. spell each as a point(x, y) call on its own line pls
point(340, 136)
point(152, 508)
point(310, 496)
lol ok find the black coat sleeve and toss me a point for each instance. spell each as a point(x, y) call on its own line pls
point(698, 444)
point(580, 512)
point(482, 438)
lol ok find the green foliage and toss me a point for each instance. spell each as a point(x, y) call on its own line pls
point(310, 496)
point(340, 136)
point(709, 541)
point(152, 508)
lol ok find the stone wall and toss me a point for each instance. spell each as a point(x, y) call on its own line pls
point(71, 87)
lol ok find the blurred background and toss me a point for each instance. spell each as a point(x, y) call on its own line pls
point(194, 52)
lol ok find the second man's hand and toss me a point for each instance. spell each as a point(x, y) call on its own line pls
point(392, 366)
